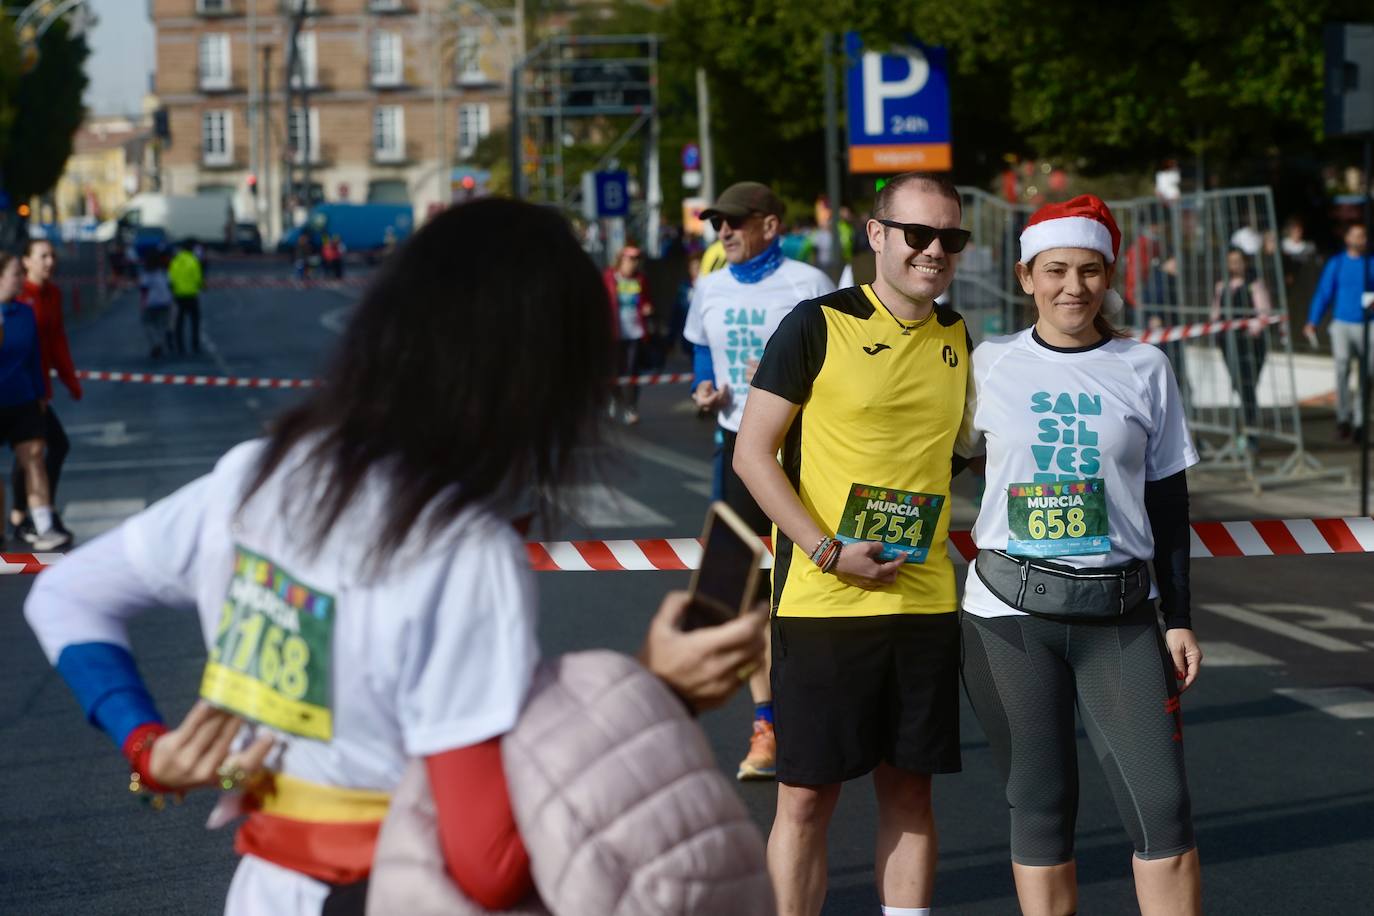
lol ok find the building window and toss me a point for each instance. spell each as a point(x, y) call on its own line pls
point(468, 62)
point(214, 62)
point(387, 67)
point(306, 48)
point(217, 137)
point(389, 133)
point(474, 123)
point(295, 135)
point(384, 6)
point(213, 7)
point(305, 6)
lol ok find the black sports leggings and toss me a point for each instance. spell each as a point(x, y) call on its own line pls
point(1024, 676)
point(55, 438)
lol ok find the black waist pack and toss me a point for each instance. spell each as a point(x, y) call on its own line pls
point(1062, 592)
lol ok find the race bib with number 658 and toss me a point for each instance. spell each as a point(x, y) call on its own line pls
point(902, 521)
point(1063, 519)
point(270, 662)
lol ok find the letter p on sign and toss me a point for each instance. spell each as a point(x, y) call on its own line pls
point(878, 90)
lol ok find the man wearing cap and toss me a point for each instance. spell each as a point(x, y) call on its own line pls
point(733, 314)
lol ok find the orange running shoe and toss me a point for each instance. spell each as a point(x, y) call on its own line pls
point(762, 760)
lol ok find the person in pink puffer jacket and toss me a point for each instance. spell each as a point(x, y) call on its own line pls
point(618, 799)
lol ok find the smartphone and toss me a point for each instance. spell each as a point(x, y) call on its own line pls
point(725, 584)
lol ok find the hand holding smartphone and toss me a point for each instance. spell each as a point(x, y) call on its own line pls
point(724, 585)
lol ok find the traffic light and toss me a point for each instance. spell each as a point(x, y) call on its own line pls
point(252, 184)
point(24, 211)
point(468, 182)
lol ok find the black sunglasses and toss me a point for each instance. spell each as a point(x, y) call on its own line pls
point(919, 236)
point(734, 222)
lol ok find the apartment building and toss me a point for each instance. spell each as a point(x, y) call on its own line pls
point(399, 92)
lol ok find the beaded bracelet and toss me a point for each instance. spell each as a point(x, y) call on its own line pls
point(154, 798)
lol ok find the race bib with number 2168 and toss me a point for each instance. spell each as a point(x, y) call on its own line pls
point(270, 662)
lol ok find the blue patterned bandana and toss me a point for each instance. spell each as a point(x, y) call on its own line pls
point(761, 266)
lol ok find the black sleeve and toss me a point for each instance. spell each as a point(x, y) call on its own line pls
point(1166, 505)
point(794, 354)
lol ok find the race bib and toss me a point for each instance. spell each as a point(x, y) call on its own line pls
point(1063, 519)
point(271, 659)
point(903, 522)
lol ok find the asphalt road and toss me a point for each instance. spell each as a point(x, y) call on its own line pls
point(1279, 729)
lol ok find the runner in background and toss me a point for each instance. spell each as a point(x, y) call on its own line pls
point(631, 309)
point(1346, 289)
point(733, 314)
point(1243, 295)
point(43, 296)
point(187, 279)
point(22, 392)
point(156, 292)
point(363, 595)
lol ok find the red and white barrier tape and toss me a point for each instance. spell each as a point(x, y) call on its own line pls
point(195, 381)
point(1209, 539)
point(1273, 537)
point(227, 381)
point(1201, 329)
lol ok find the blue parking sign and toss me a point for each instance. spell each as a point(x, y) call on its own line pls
point(899, 116)
point(612, 194)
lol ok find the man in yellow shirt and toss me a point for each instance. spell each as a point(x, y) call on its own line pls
point(186, 277)
point(863, 391)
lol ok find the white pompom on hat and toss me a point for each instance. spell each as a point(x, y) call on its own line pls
point(1083, 222)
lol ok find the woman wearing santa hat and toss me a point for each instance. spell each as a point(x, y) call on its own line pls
point(1087, 446)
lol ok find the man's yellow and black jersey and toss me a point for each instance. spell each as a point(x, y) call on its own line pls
point(869, 452)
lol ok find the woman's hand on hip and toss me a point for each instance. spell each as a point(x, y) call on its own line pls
point(195, 752)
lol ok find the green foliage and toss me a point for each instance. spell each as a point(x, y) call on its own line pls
point(9, 80)
point(47, 110)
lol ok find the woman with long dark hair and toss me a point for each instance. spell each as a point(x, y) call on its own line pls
point(362, 592)
point(1243, 295)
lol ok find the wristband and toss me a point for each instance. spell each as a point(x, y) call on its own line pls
point(138, 748)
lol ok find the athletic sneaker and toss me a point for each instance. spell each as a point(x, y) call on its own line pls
point(761, 762)
point(53, 540)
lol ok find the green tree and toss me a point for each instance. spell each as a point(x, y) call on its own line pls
point(48, 111)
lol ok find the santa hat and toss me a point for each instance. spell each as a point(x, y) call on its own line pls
point(1084, 222)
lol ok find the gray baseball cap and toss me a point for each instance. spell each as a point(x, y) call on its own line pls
point(743, 198)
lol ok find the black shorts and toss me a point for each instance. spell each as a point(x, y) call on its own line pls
point(21, 422)
point(850, 693)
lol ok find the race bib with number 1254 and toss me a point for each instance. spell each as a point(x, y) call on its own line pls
point(902, 521)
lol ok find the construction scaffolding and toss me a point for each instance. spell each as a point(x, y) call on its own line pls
point(587, 89)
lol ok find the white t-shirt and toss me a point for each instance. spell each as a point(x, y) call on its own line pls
point(736, 320)
point(1071, 439)
point(436, 652)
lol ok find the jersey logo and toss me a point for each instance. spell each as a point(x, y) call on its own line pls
point(949, 356)
point(876, 349)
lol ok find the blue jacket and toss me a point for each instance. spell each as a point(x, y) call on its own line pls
point(21, 368)
point(1343, 282)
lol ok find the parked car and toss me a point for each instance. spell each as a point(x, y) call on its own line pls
point(247, 238)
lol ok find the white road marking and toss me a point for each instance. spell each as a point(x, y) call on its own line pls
point(1282, 628)
point(1341, 702)
point(699, 487)
point(335, 319)
point(87, 518)
point(598, 506)
point(1230, 655)
point(692, 467)
point(205, 461)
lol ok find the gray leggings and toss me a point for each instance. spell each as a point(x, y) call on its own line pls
point(1024, 676)
point(1347, 345)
